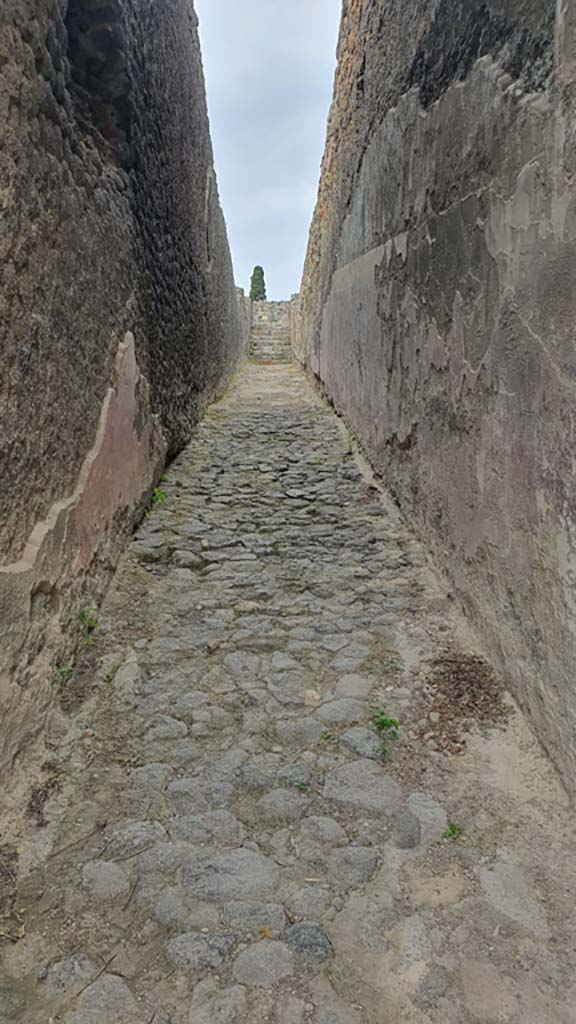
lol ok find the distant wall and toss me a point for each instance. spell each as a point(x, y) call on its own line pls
point(119, 319)
point(438, 307)
point(271, 313)
point(244, 306)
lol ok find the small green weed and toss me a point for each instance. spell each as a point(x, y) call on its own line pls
point(88, 621)
point(158, 496)
point(387, 728)
point(275, 548)
point(453, 833)
point(326, 735)
point(317, 460)
point(302, 787)
point(65, 673)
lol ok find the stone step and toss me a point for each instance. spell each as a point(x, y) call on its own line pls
point(260, 358)
point(273, 342)
point(265, 330)
point(271, 357)
point(272, 351)
point(272, 348)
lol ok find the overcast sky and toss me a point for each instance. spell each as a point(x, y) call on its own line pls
point(269, 68)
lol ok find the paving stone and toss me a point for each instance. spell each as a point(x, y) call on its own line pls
point(131, 837)
point(187, 796)
point(225, 767)
point(432, 817)
point(180, 753)
point(377, 927)
point(324, 830)
point(260, 772)
point(300, 733)
point(73, 973)
point(294, 775)
point(220, 794)
point(193, 796)
point(352, 867)
point(350, 658)
point(107, 999)
point(281, 844)
point(171, 911)
point(342, 712)
point(413, 940)
point(363, 786)
point(282, 805)
point(161, 859)
point(166, 728)
point(190, 828)
point(105, 881)
point(283, 662)
point(214, 1005)
point(363, 742)
point(242, 664)
point(435, 984)
point(308, 939)
point(264, 964)
point(289, 688)
point(354, 685)
point(334, 643)
point(153, 776)
point(189, 704)
point(197, 952)
point(310, 901)
point(407, 831)
point(188, 560)
point(256, 918)
point(225, 876)
point(214, 827)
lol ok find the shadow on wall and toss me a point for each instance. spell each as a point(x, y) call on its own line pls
point(100, 83)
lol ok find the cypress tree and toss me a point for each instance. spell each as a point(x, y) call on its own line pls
point(258, 285)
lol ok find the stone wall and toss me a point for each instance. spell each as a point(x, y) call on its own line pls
point(295, 322)
point(438, 307)
point(119, 320)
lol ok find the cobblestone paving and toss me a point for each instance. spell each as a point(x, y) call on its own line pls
point(238, 842)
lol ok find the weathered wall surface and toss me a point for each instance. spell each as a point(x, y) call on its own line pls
point(438, 306)
point(119, 319)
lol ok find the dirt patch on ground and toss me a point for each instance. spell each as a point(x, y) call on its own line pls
point(463, 691)
point(77, 683)
point(42, 791)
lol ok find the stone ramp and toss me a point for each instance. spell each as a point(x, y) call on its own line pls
point(240, 838)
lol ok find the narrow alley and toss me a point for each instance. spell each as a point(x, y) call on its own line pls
point(275, 808)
